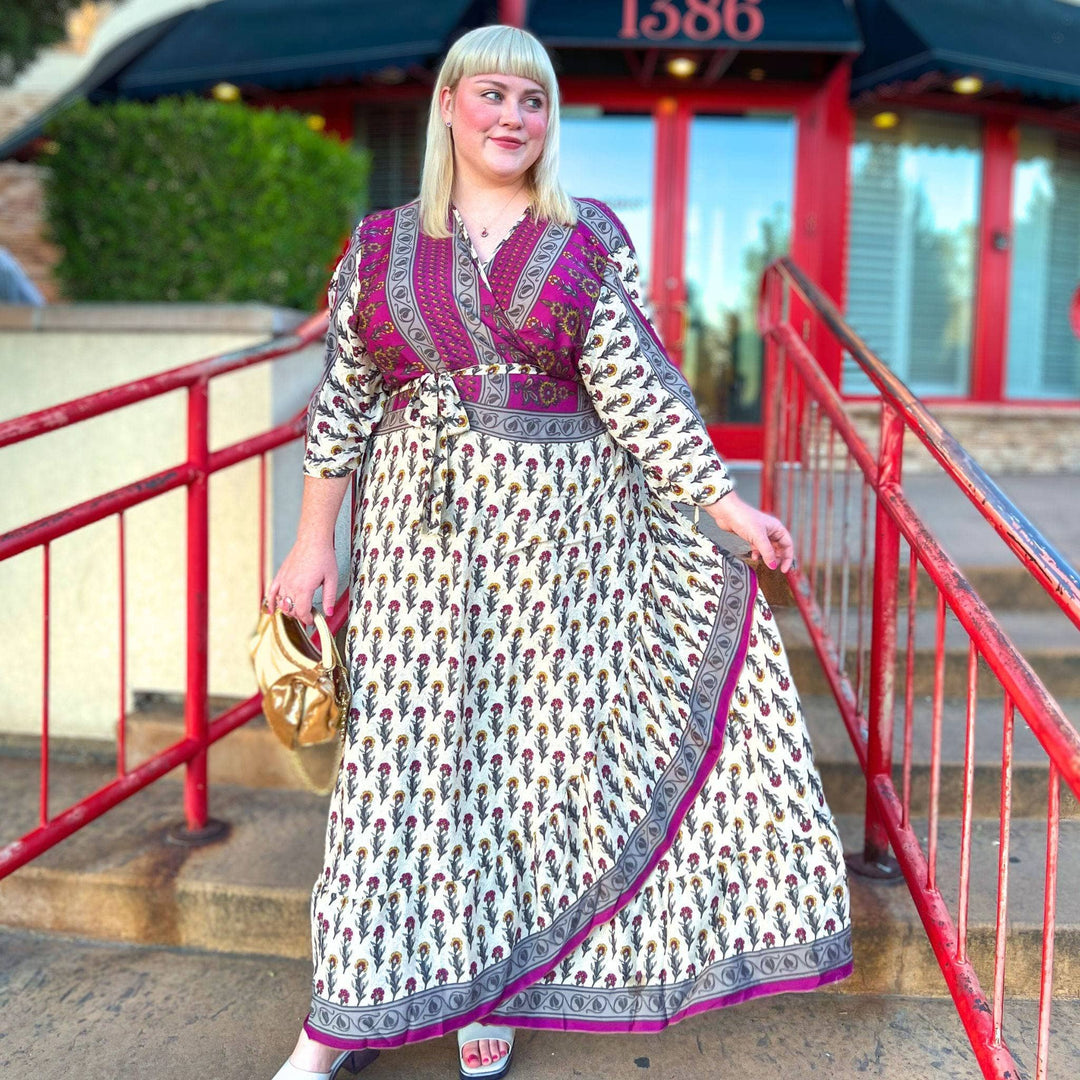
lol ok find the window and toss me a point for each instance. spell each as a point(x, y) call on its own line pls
point(1043, 353)
point(394, 133)
point(911, 254)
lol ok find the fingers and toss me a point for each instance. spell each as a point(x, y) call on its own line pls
point(295, 601)
point(763, 545)
point(329, 592)
point(784, 547)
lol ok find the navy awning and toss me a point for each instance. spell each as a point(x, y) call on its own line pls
point(1032, 46)
point(286, 44)
point(780, 25)
point(279, 44)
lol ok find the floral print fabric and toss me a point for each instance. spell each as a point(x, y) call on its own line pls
point(577, 788)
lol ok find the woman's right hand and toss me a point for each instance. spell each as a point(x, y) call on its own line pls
point(767, 536)
point(305, 568)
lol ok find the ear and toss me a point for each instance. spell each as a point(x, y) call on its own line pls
point(446, 97)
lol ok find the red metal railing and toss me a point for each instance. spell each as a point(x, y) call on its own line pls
point(193, 473)
point(821, 476)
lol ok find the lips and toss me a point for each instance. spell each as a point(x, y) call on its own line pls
point(510, 144)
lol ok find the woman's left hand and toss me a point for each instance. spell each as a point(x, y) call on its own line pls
point(767, 536)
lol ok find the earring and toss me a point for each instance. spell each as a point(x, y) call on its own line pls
point(447, 123)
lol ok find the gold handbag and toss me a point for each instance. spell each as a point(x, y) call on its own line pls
point(305, 691)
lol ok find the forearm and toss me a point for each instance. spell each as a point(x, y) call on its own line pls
point(319, 509)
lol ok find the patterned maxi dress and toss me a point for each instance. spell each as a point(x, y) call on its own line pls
point(577, 789)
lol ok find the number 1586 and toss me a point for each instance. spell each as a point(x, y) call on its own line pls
point(699, 20)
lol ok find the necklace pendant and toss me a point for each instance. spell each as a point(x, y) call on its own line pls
point(483, 232)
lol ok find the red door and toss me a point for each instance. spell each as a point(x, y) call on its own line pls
point(735, 179)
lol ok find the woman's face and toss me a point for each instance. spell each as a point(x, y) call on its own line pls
point(499, 124)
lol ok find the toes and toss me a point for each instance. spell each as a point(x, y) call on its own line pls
point(484, 1051)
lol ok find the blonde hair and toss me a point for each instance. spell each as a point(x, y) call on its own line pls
point(504, 50)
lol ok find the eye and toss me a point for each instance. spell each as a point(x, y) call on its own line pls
point(495, 92)
point(538, 102)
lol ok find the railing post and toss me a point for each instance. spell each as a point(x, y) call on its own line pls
point(199, 829)
point(772, 286)
point(876, 861)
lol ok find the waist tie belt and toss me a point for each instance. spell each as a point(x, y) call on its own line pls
point(434, 407)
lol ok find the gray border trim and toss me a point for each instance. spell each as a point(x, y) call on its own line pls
point(542, 259)
point(727, 976)
point(604, 224)
point(518, 425)
point(400, 292)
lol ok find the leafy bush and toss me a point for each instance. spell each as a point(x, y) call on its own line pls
point(27, 26)
point(187, 199)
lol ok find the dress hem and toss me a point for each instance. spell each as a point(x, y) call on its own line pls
point(802, 984)
point(524, 981)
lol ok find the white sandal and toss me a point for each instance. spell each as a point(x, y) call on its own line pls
point(353, 1060)
point(494, 1069)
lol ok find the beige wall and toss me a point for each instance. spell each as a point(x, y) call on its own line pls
point(42, 364)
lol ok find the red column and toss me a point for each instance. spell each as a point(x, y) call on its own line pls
point(1000, 142)
point(667, 287)
point(338, 114)
point(511, 12)
point(819, 219)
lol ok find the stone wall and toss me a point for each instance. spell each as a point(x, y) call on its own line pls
point(22, 200)
point(1001, 438)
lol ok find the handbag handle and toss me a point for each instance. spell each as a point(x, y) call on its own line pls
point(287, 646)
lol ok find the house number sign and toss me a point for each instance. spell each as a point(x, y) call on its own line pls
point(699, 20)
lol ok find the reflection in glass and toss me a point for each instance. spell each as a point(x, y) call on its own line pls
point(1043, 352)
point(911, 253)
point(738, 219)
point(610, 158)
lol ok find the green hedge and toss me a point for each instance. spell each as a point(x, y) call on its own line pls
point(187, 199)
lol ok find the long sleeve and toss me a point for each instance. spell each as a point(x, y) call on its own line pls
point(351, 396)
point(641, 395)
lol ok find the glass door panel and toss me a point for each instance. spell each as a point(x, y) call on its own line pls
point(1044, 353)
point(911, 252)
point(738, 218)
point(609, 156)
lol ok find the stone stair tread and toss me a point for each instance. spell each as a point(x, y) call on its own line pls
point(831, 741)
point(233, 1017)
point(276, 838)
point(1047, 499)
point(1029, 631)
point(1027, 856)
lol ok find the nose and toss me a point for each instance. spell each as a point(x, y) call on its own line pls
point(511, 113)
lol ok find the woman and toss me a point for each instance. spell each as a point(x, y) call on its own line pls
point(577, 789)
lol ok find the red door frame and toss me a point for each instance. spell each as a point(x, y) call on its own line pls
point(819, 201)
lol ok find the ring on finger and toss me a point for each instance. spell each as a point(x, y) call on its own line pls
point(289, 601)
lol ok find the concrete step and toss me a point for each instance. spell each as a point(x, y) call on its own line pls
point(843, 777)
point(1002, 588)
point(252, 756)
point(174, 1014)
point(1049, 642)
point(249, 892)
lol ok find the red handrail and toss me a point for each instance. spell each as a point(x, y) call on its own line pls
point(806, 422)
point(193, 473)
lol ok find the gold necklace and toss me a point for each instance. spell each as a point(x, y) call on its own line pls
point(484, 230)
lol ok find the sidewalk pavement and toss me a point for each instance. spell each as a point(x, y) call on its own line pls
point(99, 1011)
